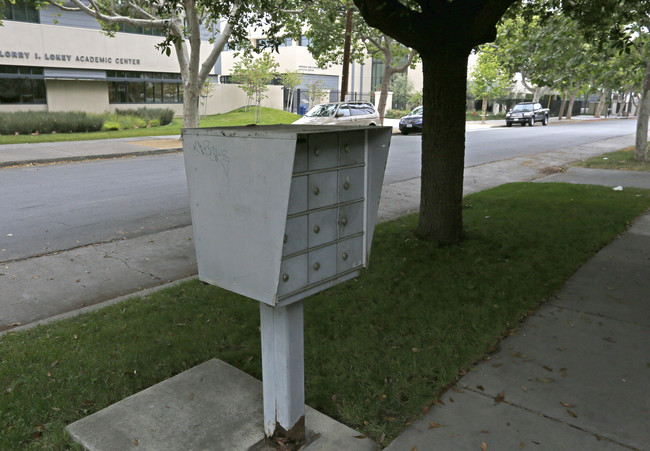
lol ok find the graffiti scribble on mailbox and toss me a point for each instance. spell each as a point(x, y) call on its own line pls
point(208, 149)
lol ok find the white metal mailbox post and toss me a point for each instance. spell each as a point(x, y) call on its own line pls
point(279, 213)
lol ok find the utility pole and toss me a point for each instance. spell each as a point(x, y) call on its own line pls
point(346, 54)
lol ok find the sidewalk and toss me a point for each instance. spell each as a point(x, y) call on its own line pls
point(575, 376)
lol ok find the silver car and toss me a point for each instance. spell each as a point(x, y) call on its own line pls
point(341, 113)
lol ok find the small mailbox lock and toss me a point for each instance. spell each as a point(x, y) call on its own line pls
point(316, 266)
point(316, 191)
point(344, 221)
point(316, 229)
point(285, 277)
point(344, 256)
point(346, 149)
point(286, 238)
point(346, 185)
point(317, 151)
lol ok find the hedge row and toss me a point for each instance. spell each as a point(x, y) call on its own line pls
point(33, 122)
point(163, 115)
point(30, 122)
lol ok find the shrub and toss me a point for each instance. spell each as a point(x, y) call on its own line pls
point(154, 123)
point(118, 121)
point(37, 122)
point(396, 114)
point(164, 115)
point(111, 125)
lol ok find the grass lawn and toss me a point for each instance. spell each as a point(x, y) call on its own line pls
point(622, 160)
point(378, 349)
point(236, 117)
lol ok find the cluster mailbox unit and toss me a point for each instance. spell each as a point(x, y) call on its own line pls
point(279, 213)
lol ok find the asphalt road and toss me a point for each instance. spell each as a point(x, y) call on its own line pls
point(501, 143)
point(51, 208)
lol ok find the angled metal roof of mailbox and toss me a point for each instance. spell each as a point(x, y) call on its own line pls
point(283, 211)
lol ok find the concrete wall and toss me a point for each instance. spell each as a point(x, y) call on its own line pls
point(77, 95)
point(177, 108)
point(225, 98)
point(14, 107)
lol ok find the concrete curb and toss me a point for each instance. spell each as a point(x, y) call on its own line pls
point(71, 159)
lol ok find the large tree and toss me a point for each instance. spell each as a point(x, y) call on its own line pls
point(444, 32)
point(181, 23)
point(327, 21)
point(489, 78)
point(625, 23)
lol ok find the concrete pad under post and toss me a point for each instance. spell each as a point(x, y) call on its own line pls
point(283, 372)
point(213, 406)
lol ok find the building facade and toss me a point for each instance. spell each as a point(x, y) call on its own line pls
point(52, 60)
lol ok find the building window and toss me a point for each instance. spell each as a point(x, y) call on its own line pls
point(286, 42)
point(376, 74)
point(19, 84)
point(20, 11)
point(144, 87)
point(305, 41)
point(124, 28)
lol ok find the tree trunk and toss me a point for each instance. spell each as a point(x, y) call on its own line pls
point(562, 105)
point(569, 110)
point(190, 107)
point(641, 144)
point(601, 104)
point(537, 94)
point(484, 102)
point(445, 84)
point(383, 92)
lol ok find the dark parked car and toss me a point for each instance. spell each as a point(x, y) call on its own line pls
point(527, 113)
point(412, 122)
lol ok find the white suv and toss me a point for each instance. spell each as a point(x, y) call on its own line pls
point(341, 113)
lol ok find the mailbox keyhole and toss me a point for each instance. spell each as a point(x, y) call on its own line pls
point(286, 238)
point(316, 229)
point(346, 185)
point(285, 277)
point(316, 266)
point(316, 191)
point(346, 149)
point(344, 256)
point(317, 151)
point(344, 221)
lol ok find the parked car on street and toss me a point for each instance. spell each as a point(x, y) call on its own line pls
point(527, 113)
point(341, 113)
point(412, 122)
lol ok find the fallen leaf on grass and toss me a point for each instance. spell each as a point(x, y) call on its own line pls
point(500, 397)
point(135, 442)
point(389, 419)
point(425, 410)
point(483, 446)
point(434, 425)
